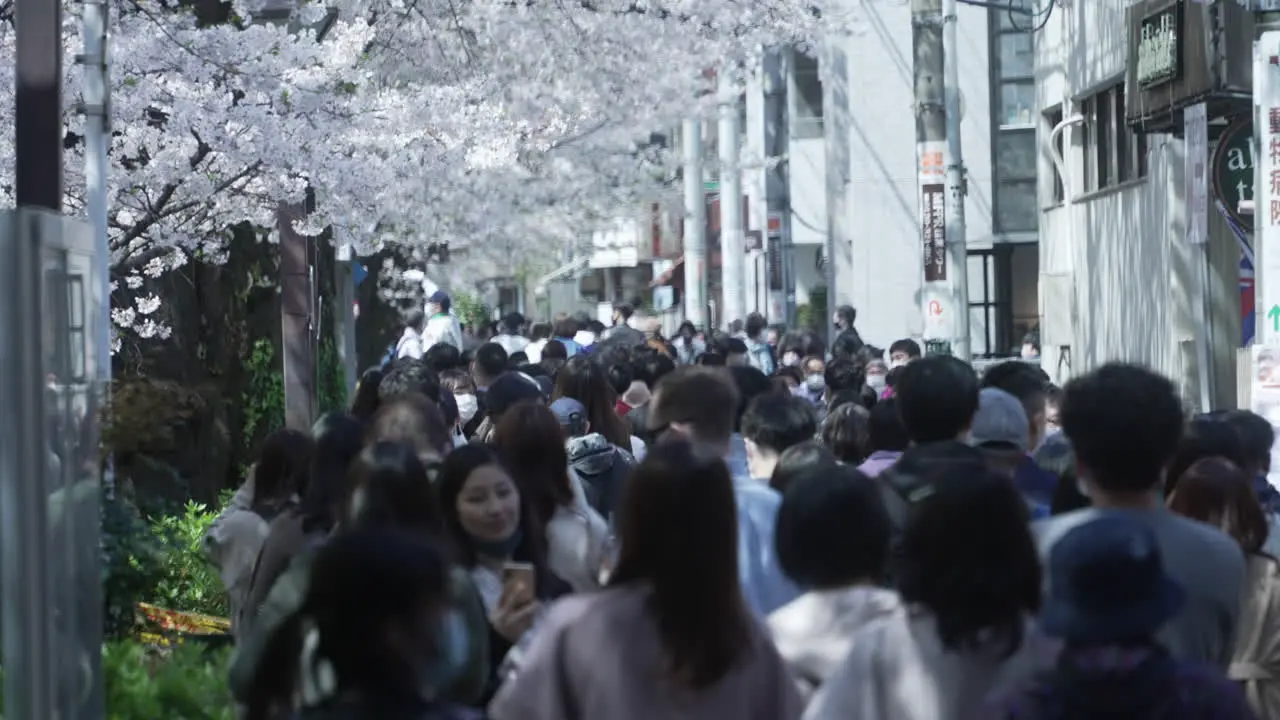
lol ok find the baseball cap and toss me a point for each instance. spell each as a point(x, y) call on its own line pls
point(440, 298)
point(1000, 421)
point(569, 412)
point(510, 388)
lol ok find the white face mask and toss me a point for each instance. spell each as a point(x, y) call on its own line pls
point(467, 407)
point(875, 382)
point(815, 383)
point(896, 363)
point(790, 360)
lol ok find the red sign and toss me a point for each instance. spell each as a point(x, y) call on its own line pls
point(935, 308)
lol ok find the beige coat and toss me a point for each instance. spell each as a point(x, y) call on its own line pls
point(1256, 662)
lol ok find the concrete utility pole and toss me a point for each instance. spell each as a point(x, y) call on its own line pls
point(97, 126)
point(777, 141)
point(695, 227)
point(945, 296)
point(733, 251)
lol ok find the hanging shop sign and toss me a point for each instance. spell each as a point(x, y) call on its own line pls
point(1160, 47)
point(1232, 168)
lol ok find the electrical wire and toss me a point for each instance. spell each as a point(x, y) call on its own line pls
point(1018, 13)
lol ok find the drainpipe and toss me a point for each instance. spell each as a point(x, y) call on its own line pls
point(1068, 199)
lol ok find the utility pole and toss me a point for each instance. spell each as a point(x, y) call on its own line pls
point(695, 227)
point(38, 104)
point(733, 251)
point(97, 110)
point(780, 252)
point(945, 296)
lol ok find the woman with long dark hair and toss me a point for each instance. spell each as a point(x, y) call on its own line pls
point(235, 538)
point(532, 445)
point(1215, 491)
point(584, 381)
point(671, 636)
point(497, 537)
point(969, 580)
point(366, 401)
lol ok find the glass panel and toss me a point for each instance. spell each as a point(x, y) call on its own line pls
point(1017, 58)
point(979, 326)
point(1016, 207)
point(1024, 278)
point(978, 289)
point(1102, 129)
point(808, 87)
point(1016, 154)
point(1017, 102)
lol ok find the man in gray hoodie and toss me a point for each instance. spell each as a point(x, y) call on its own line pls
point(604, 468)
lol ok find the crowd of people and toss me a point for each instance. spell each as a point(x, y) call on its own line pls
point(566, 521)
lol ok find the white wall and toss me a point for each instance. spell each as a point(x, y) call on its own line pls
point(808, 191)
point(882, 276)
point(1130, 266)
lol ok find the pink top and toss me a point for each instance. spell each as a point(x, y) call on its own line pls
point(599, 656)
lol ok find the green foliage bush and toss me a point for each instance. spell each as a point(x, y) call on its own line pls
point(188, 682)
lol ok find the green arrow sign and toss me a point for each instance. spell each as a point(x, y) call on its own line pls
point(1274, 316)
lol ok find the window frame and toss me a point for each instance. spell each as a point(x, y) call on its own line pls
point(806, 120)
point(1114, 154)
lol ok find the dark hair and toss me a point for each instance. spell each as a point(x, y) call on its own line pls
point(679, 537)
point(1022, 380)
point(338, 440)
point(1256, 435)
point(1056, 456)
point(891, 378)
point(531, 442)
point(733, 346)
point(565, 327)
point(441, 357)
point(840, 398)
point(617, 369)
point(755, 324)
point(1217, 492)
point(937, 398)
point(706, 398)
point(511, 322)
point(390, 486)
point(885, 430)
point(409, 375)
point(585, 382)
point(415, 421)
point(517, 360)
point(845, 374)
point(282, 468)
point(1124, 422)
point(776, 422)
point(650, 366)
point(832, 528)
point(454, 472)
point(907, 346)
point(415, 319)
point(1204, 437)
point(982, 587)
point(847, 432)
point(624, 311)
point(797, 460)
point(490, 360)
point(457, 380)
point(847, 345)
point(790, 371)
point(711, 359)
point(539, 331)
point(365, 403)
point(554, 350)
point(750, 384)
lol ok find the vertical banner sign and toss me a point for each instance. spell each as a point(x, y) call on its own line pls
point(933, 199)
point(1266, 74)
point(935, 293)
point(1196, 133)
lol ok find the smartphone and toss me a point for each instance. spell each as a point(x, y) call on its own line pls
point(518, 581)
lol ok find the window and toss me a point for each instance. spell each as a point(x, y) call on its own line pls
point(1113, 153)
point(1052, 119)
point(1016, 208)
point(806, 118)
point(1004, 300)
point(1013, 70)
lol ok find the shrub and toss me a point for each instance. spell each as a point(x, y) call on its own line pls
point(188, 682)
point(188, 581)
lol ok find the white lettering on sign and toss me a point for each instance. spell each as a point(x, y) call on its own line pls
point(1158, 49)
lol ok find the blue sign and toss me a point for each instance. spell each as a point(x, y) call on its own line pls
point(359, 273)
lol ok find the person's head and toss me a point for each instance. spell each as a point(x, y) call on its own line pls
point(847, 345)
point(710, 359)
point(531, 442)
point(409, 375)
point(846, 431)
point(508, 390)
point(1056, 456)
point(885, 431)
point(1029, 384)
point(512, 322)
point(365, 402)
point(832, 529)
point(572, 416)
point(771, 424)
point(937, 397)
point(439, 302)
point(1216, 492)
point(1000, 424)
point(844, 374)
point(556, 351)
point(1257, 436)
point(903, 351)
point(1124, 423)
point(392, 487)
point(490, 362)
point(1204, 437)
point(1108, 586)
point(982, 589)
point(678, 533)
point(283, 463)
point(441, 357)
point(539, 331)
point(698, 403)
point(844, 317)
point(750, 384)
point(734, 351)
point(618, 371)
point(373, 618)
point(339, 438)
point(877, 375)
point(755, 326)
point(584, 381)
point(564, 327)
point(415, 320)
point(414, 421)
point(650, 366)
point(772, 335)
point(622, 312)
point(797, 460)
point(1052, 403)
point(686, 330)
point(789, 357)
point(484, 513)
